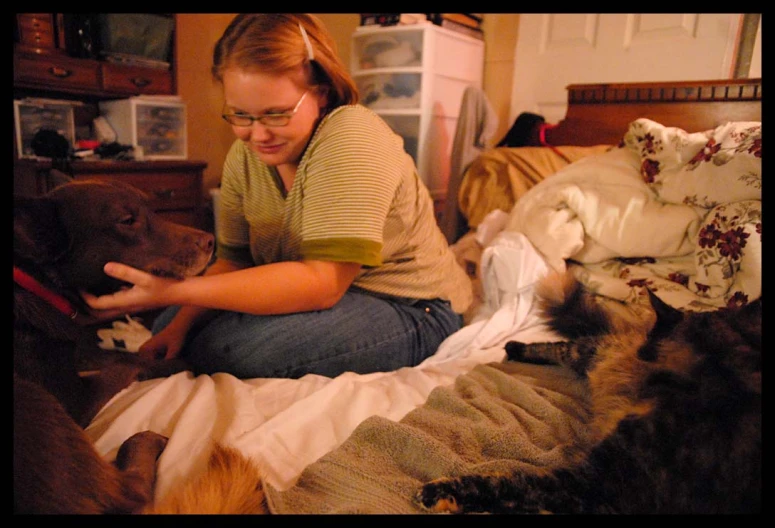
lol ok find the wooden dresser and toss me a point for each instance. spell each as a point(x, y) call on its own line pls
point(47, 65)
point(42, 61)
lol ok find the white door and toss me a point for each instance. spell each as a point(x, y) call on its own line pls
point(555, 50)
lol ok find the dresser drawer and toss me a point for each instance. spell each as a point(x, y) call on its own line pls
point(36, 30)
point(52, 71)
point(136, 80)
point(167, 190)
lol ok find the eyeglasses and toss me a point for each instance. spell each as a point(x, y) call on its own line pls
point(270, 120)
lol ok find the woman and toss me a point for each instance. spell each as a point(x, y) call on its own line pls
point(329, 258)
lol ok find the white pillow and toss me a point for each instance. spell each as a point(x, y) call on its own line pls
point(703, 169)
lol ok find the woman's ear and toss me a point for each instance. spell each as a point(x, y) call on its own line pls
point(323, 91)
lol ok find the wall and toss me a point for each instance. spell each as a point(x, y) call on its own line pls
point(500, 40)
point(209, 137)
point(342, 26)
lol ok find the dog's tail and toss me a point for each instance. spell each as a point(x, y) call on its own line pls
point(573, 311)
point(231, 484)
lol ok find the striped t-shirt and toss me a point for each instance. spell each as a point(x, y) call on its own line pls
point(356, 197)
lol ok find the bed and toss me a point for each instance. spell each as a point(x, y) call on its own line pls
point(655, 184)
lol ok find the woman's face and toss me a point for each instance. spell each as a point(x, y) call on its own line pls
point(256, 94)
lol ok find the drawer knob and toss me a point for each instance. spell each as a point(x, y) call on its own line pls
point(141, 82)
point(165, 194)
point(56, 71)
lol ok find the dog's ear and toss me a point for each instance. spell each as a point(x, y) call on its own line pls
point(38, 233)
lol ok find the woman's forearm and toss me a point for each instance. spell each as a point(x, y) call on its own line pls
point(187, 316)
point(279, 288)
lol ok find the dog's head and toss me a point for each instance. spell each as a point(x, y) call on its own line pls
point(69, 234)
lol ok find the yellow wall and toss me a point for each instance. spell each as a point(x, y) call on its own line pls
point(209, 137)
point(500, 42)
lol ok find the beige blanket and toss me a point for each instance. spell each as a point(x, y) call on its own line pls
point(499, 177)
point(497, 417)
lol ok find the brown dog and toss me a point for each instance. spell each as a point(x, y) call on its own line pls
point(61, 243)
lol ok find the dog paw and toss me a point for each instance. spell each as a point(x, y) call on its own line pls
point(140, 450)
point(439, 496)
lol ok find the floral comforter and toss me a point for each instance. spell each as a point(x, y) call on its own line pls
point(676, 212)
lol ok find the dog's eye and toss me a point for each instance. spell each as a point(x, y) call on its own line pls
point(127, 220)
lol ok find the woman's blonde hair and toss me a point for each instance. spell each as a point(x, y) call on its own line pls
point(276, 43)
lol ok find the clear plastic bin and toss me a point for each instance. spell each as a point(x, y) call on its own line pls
point(157, 126)
point(390, 91)
point(389, 49)
point(31, 116)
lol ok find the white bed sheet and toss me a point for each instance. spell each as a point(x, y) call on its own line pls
point(284, 424)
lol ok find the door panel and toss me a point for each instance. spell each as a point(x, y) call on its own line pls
point(555, 50)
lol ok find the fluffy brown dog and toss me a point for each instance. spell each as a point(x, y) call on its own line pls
point(61, 243)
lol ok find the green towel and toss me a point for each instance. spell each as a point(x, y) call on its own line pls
point(498, 417)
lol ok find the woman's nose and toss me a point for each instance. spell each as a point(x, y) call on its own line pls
point(259, 132)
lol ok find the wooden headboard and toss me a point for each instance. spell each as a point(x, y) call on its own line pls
point(600, 113)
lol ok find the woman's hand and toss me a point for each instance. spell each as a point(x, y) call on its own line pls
point(148, 291)
point(164, 345)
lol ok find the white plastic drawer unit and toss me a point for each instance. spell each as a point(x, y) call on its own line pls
point(396, 59)
point(414, 77)
point(158, 127)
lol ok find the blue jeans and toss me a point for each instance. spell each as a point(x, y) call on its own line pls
point(362, 333)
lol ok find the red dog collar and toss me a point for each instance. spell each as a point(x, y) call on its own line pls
point(542, 128)
point(33, 286)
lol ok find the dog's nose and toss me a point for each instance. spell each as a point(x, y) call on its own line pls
point(206, 242)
